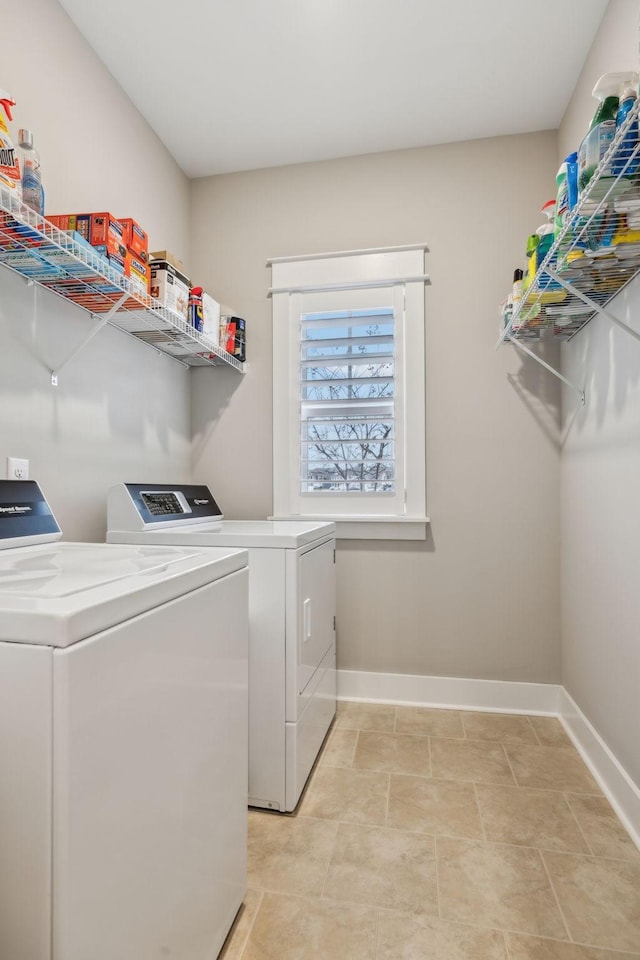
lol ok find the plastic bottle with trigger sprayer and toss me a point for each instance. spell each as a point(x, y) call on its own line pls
point(622, 162)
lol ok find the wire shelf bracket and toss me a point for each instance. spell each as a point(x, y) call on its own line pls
point(595, 306)
point(102, 322)
point(547, 366)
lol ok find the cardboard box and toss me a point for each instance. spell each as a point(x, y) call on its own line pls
point(135, 239)
point(63, 221)
point(138, 273)
point(112, 248)
point(99, 229)
point(116, 262)
point(102, 226)
point(170, 287)
point(169, 257)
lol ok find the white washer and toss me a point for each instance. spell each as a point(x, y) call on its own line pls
point(123, 743)
point(292, 640)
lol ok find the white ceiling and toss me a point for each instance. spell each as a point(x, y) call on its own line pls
point(240, 84)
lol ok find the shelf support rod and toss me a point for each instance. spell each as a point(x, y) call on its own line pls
point(547, 366)
point(83, 343)
point(592, 303)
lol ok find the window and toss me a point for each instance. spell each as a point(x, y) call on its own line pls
point(347, 401)
point(348, 336)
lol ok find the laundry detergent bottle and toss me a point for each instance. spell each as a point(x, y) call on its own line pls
point(10, 178)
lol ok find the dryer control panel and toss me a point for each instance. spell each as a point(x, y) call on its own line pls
point(146, 506)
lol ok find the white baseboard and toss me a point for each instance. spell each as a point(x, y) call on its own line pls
point(613, 779)
point(459, 693)
point(505, 696)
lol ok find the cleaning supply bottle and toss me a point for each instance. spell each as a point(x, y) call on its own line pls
point(547, 289)
point(195, 308)
point(516, 293)
point(545, 232)
point(32, 191)
point(10, 179)
point(622, 162)
point(567, 195)
point(602, 131)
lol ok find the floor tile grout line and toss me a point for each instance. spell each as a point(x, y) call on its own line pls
point(329, 859)
point(519, 846)
point(386, 808)
point(577, 822)
point(255, 916)
point(355, 748)
point(513, 774)
point(464, 729)
point(477, 800)
point(439, 902)
point(533, 730)
point(577, 943)
point(506, 945)
point(555, 895)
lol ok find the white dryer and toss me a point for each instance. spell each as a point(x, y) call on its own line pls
point(123, 731)
point(292, 639)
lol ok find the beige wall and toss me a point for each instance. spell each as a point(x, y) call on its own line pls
point(481, 597)
point(601, 475)
point(121, 411)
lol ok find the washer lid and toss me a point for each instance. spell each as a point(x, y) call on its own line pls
point(58, 593)
point(234, 533)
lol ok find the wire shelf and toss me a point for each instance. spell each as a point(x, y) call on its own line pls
point(43, 254)
point(594, 256)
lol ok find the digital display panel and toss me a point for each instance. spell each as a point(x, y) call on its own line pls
point(162, 504)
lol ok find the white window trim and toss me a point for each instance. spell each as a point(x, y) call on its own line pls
point(401, 268)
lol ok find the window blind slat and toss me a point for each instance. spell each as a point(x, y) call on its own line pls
point(309, 342)
point(348, 360)
point(347, 382)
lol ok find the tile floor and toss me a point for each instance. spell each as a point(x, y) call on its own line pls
point(442, 835)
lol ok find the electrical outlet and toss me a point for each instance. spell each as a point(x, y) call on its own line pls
point(17, 469)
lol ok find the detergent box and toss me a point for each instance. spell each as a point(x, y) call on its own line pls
point(170, 287)
point(138, 273)
point(135, 239)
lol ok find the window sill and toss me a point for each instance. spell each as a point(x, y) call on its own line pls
point(372, 528)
